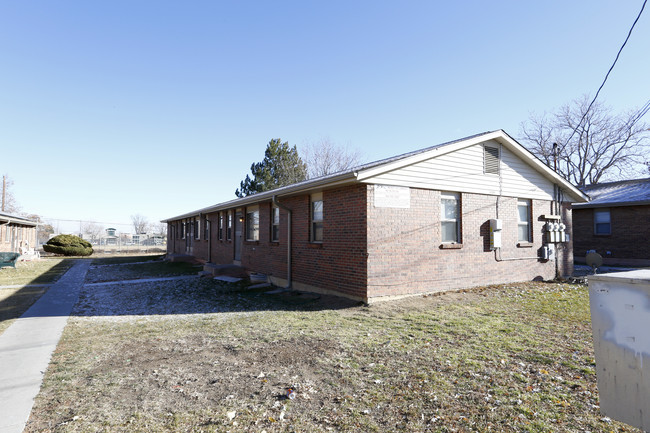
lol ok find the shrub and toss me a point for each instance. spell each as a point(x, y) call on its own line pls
point(68, 245)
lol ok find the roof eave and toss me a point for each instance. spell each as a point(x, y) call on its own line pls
point(589, 205)
point(344, 178)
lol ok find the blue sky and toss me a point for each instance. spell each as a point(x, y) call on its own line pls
point(109, 109)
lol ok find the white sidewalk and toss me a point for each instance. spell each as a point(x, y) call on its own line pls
point(27, 346)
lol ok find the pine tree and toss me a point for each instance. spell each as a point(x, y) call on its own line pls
point(281, 166)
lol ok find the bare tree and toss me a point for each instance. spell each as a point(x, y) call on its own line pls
point(161, 229)
point(140, 223)
point(324, 157)
point(604, 146)
point(43, 229)
point(92, 229)
point(9, 204)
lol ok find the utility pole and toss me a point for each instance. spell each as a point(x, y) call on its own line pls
point(4, 191)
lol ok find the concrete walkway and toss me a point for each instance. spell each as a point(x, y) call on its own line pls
point(27, 346)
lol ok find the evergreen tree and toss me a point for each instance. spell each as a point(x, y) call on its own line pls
point(281, 166)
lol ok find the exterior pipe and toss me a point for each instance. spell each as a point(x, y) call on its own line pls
point(497, 257)
point(280, 205)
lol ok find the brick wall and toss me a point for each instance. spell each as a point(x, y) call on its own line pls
point(369, 252)
point(13, 235)
point(405, 254)
point(627, 244)
point(337, 265)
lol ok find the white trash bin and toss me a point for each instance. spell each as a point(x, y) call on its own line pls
point(620, 319)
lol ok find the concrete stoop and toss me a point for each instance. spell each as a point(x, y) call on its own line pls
point(225, 270)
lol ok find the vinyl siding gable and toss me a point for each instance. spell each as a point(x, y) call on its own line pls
point(462, 170)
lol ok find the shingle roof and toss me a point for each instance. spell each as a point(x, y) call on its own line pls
point(621, 193)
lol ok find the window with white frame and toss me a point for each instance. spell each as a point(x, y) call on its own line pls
point(252, 224)
point(197, 229)
point(316, 215)
point(206, 228)
point(220, 231)
point(450, 217)
point(602, 222)
point(183, 230)
point(229, 229)
point(275, 224)
point(523, 220)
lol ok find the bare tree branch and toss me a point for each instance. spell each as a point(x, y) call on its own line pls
point(604, 147)
point(324, 157)
point(140, 223)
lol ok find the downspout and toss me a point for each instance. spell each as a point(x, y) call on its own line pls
point(280, 205)
point(209, 227)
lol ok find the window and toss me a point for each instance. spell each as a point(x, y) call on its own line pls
point(220, 232)
point(450, 217)
point(317, 217)
point(602, 222)
point(252, 224)
point(275, 224)
point(197, 229)
point(183, 230)
point(229, 230)
point(206, 228)
point(490, 160)
point(523, 221)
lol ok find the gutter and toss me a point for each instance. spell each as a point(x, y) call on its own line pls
point(280, 205)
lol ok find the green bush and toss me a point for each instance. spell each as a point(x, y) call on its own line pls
point(68, 245)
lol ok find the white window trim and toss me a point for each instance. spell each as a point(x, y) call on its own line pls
point(275, 209)
point(316, 197)
point(255, 211)
point(528, 224)
point(229, 226)
point(458, 220)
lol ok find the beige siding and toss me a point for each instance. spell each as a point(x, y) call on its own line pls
point(462, 171)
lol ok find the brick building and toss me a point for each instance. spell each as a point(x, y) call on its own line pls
point(615, 223)
point(415, 223)
point(16, 232)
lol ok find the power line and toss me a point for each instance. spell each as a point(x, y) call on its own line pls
point(608, 72)
point(85, 221)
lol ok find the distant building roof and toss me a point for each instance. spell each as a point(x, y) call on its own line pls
point(633, 192)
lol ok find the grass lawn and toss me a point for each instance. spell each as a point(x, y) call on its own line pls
point(198, 356)
point(30, 280)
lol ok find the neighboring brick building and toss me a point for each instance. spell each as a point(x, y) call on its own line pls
point(415, 223)
point(16, 233)
point(615, 223)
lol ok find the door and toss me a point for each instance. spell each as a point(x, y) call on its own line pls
point(238, 234)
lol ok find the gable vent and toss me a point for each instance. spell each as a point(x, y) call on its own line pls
point(490, 160)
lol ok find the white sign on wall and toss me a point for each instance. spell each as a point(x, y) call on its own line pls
point(392, 196)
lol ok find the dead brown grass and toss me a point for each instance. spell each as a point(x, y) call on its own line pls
point(508, 358)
